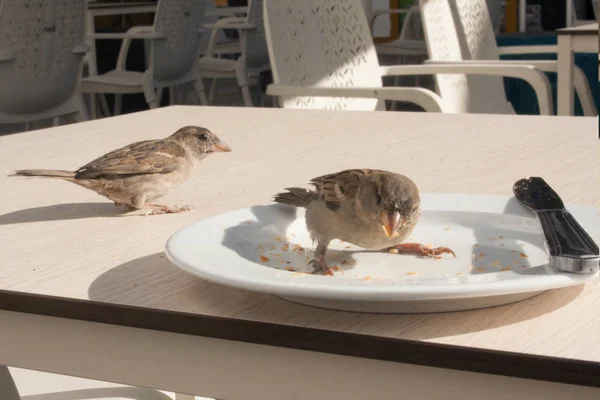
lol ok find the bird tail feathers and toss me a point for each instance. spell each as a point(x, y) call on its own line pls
point(46, 173)
point(298, 197)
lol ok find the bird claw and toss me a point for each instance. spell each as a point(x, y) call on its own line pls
point(321, 268)
point(160, 209)
point(419, 249)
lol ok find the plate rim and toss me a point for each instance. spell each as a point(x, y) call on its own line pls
point(413, 292)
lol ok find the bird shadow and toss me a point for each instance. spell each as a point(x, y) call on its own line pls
point(58, 212)
point(152, 281)
point(274, 221)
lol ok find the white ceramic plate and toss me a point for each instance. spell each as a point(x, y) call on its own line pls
point(499, 245)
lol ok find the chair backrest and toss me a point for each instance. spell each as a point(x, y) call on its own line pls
point(323, 43)
point(41, 51)
point(181, 23)
point(458, 30)
point(254, 45)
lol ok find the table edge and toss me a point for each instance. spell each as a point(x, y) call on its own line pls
point(566, 31)
point(503, 363)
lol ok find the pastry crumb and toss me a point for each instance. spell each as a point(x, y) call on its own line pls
point(500, 237)
point(437, 258)
point(481, 269)
point(291, 269)
point(411, 273)
point(264, 259)
point(523, 255)
point(459, 273)
point(429, 245)
point(368, 278)
point(298, 274)
point(393, 250)
point(470, 268)
point(505, 269)
point(476, 245)
point(447, 229)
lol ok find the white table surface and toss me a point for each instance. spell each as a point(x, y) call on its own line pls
point(63, 241)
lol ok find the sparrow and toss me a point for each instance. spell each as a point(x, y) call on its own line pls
point(136, 175)
point(372, 209)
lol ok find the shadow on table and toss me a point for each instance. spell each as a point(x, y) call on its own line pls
point(133, 393)
point(152, 281)
point(58, 212)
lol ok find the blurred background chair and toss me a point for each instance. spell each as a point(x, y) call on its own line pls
point(41, 52)
point(175, 40)
point(323, 57)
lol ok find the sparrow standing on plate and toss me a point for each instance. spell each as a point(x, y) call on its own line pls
point(136, 175)
point(372, 209)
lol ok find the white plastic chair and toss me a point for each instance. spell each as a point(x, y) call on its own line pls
point(322, 57)
point(253, 58)
point(460, 33)
point(174, 48)
point(41, 52)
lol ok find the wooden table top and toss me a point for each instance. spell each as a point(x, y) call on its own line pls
point(63, 241)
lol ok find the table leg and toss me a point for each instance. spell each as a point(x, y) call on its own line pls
point(565, 96)
point(8, 389)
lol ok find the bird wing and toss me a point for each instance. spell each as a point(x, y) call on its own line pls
point(339, 186)
point(146, 157)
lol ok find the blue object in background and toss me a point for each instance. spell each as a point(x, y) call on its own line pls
point(521, 94)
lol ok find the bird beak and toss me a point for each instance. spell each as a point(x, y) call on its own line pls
point(390, 222)
point(220, 146)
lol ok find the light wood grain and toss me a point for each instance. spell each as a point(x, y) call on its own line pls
point(59, 239)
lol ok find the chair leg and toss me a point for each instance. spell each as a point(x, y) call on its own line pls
point(584, 92)
point(199, 87)
point(8, 389)
point(104, 105)
point(211, 93)
point(118, 104)
point(150, 95)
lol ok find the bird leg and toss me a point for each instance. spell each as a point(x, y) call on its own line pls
point(319, 263)
point(158, 209)
point(419, 249)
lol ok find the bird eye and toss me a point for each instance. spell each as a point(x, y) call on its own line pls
point(203, 136)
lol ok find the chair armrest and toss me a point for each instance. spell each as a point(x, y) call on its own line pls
point(528, 73)
point(136, 32)
point(427, 99)
point(227, 11)
point(232, 25)
point(510, 50)
point(8, 54)
point(81, 49)
point(377, 13)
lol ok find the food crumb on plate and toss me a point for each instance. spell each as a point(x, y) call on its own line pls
point(411, 273)
point(480, 269)
point(437, 258)
point(470, 267)
point(279, 239)
point(291, 269)
point(523, 255)
point(476, 245)
point(459, 273)
point(368, 278)
point(491, 238)
point(500, 237)
point(447, 229)
point(298, 274)
point(429, 245)
point(264, 259)
point(393, 250)
point(495, 264)
point(505, 269)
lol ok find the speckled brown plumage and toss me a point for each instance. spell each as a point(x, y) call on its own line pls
point(136, 175)
point(373, 209)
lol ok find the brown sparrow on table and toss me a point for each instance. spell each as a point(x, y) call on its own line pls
point(372, 209)
point(136, 175)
